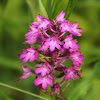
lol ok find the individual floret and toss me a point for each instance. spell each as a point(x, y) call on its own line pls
point(76, 58)
point(27, 72)
point(28, 54)
point(44, 68)
point(44, 81)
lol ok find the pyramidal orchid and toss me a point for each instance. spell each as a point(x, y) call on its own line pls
point(55, 44)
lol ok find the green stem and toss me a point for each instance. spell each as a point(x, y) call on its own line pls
point(23, 91)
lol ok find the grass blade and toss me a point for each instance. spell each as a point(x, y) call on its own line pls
point(23, 91)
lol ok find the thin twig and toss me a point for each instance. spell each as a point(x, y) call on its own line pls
point(65, 87)
point(62, 82)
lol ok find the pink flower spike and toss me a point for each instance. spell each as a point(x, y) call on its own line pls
point(60, 18)
point(54, 45)
point(28, 54)
point(76, 58)
point(44, 81)
point(26, 73)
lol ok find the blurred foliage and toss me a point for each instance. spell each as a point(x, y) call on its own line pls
point(16, 15)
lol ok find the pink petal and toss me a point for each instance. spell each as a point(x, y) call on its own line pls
point(38, 70)
point(50, 82)
point(60, 17)
point(38, 81)
point(39, 65)
point(25, 68)
point(32, 58)
point(25, 75)
point(25, 59)
point(44, 85)
point(52, 47)
point(58, 46)
point(39, 18)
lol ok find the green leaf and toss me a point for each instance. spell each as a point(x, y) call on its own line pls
point(37, 7)
point(58, 6)
point(69, 8)
point(65, 5)
point(49, 9)
point(53, 9)
point(42, 9)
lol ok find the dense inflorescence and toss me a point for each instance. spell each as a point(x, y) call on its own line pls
point(55, 45)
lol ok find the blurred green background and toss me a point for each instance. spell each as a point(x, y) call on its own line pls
point(16, 15)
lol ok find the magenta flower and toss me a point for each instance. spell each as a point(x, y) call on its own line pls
point(56, 88)
point(65, 26)
point(60, 18)
point(54, 43)
point(32, 35)
point(42, 22)
point(42, 47)
point(44, 69)
point(70, 73)
point(44, 81)
point(70, 43)
point(74, 30)
point(26, 73)
point(76, 58)
point(28, 54)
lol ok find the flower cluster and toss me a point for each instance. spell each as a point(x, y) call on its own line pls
point(55, 44)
